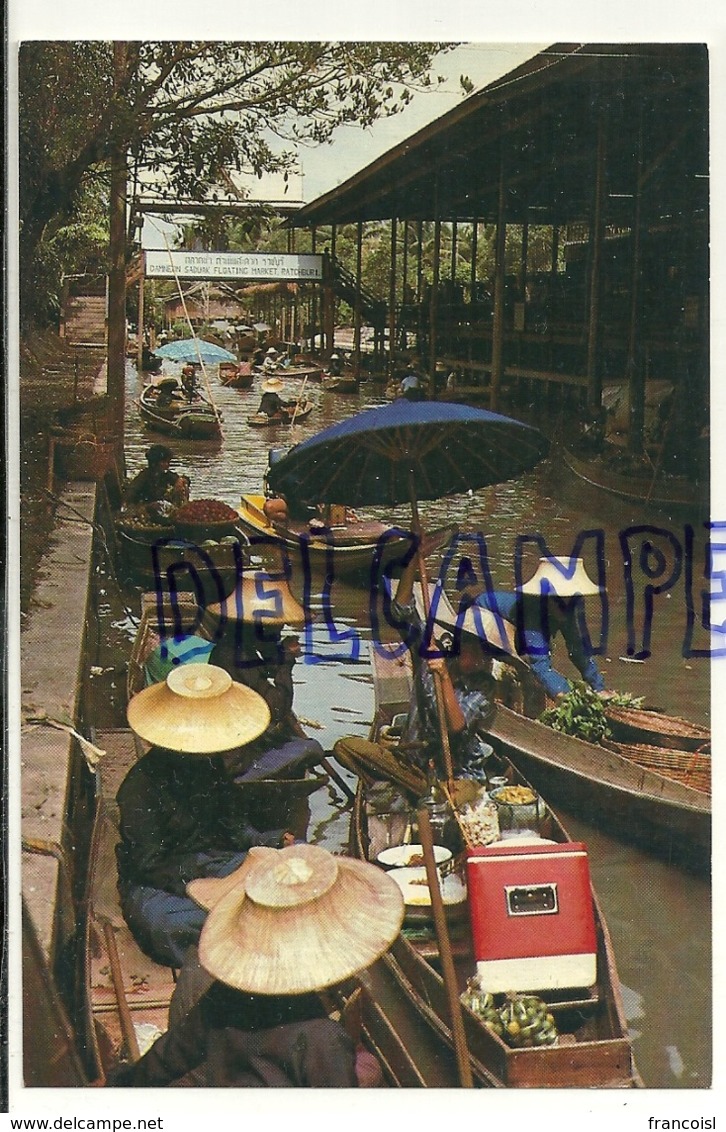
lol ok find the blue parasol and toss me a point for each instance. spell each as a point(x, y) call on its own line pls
point(407, 450)
point(194, 350)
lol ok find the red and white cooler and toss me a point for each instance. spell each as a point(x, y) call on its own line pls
point(532, 915)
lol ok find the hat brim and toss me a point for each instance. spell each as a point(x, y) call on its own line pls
point(298, 950)
point(495, 632)
point(198, 726)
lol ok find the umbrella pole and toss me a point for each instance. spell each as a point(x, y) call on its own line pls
point(438, 688)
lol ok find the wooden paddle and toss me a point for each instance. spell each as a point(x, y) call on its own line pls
point(299, 400)
point(456, 1016)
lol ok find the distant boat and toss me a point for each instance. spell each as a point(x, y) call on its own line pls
point(284, 417)
point(177, 415)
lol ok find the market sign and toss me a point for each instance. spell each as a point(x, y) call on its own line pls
point(234, 265)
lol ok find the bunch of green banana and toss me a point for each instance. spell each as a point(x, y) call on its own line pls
point(527, 1022)
point(482, 1004)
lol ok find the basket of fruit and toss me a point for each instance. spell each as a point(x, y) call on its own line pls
point(144, 526)
point(204, 519)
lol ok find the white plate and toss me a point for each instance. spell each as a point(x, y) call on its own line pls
point(400, 856)
point(417, 895)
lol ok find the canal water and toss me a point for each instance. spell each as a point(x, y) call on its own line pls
point(659, 916)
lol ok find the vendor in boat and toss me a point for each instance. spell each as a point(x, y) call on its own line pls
point(246, 1011)
point(412, 385)
point(467, 686)
point(157, 481)
point(546, 607)
point(189, 382)
point(271, 403)
point(180, 814)
point(335, 365)
point(271, 361)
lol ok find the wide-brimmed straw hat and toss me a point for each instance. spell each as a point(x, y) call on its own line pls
point(258, 598)
point(300, 921)
point(271, 351)
point(208, 891)
point(477, 622)
point(272, 385)
point(561, 577)
point(198, 710)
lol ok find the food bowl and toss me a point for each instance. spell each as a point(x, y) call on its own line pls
point(410, 856)
point(417, 898)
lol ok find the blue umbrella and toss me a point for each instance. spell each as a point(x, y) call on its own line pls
point(407, 450)
point(195, 350)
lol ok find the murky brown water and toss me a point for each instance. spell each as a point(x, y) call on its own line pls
point(665, 970)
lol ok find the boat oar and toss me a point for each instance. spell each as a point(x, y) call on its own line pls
point(451, 987)
point(299, 400)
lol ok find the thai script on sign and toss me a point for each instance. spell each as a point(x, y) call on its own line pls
point(654, 562)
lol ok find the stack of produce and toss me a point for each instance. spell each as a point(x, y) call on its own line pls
point(523, 1021)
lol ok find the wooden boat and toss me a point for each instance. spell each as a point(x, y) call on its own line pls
point(236, 375)
point(595, 1052)
point(148, 562)
point(340, 384)
point(311, 371)
point(284, 417)
point(658, 489)
point(352, 543)
point(655, 798)
point(198, 419)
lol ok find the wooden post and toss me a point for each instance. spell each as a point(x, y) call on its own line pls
point(392, 300)
point(419, 286)
point(635, 369)
point(314, 298)
point(499, 285)
point(116, 333)
point(404, 287)
point(140, 322)
point(357, 309)
point(594, 371)
point(474, 248)
point(434, 300)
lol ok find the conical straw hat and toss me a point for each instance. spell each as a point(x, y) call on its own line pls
point(272, 385)
point(301, 922)
point(208, 891)
point(198, 710)
point(562, 577)
point(478, 622)
point(259, 597)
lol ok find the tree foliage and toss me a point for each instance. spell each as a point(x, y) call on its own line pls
point(186, 113)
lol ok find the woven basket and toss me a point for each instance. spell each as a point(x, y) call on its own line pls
point(633, 725)
point(692, 768)
point(83, 456)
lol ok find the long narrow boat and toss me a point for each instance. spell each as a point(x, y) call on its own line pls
point(198, 419)
point(340, 383)
point(351, 543)
point(658, 489)
point(594, 1049)
point(287, 415)
point(606, 785)
point(657, 797)
point(311, 371)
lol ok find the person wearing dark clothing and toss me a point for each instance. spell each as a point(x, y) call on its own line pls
point(157, 481)
point(540, 626)
point(248, 1041)
point(180, 818)
point(271, 403)
point(245, 1011)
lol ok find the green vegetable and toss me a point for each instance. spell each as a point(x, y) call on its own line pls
point(581, 712)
